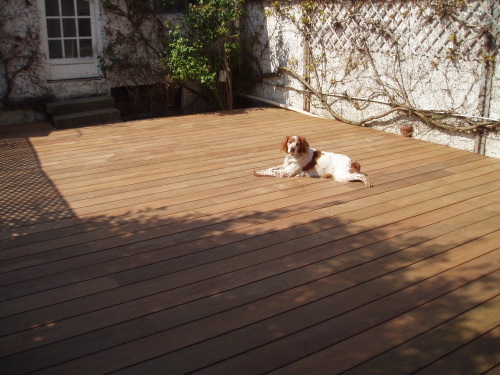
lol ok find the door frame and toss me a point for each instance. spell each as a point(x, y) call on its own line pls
point(73, 68)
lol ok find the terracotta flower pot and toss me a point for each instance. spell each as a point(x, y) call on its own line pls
point(406, 130)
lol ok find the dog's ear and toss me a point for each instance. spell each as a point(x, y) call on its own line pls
point(284, 144)
point(304, 145)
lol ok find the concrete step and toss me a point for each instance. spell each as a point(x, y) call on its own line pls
point(93, 117)
point(78, 105)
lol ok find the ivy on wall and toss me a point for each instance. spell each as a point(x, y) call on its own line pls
point(133, 55)
point(355, 53)
point(21, 59)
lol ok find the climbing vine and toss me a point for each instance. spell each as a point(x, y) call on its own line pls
point(133, 55)
point(21, 59)
point(357, 54)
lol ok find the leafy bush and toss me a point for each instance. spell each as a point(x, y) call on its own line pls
point(206, 48)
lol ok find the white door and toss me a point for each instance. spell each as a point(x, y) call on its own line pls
point(69, 31)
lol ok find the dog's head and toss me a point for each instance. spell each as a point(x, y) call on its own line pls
point(295, 145)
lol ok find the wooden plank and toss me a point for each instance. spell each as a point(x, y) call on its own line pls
point(451, 310)
point(437, 342)
point(430, 265)
point(229, 202)
point(259, 345)
point(269, 356)
point(165, 230)
point(195, 145)
point(479, 356)
point(115, 213)
point(379, 220)
point(485, 202)
point(464, 220)
point(72, 227)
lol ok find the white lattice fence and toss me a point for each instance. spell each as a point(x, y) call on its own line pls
point(416, 29)
point(419, 58)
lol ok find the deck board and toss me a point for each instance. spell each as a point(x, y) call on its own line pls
point(149, 247)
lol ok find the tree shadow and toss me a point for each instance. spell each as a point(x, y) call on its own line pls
point(318, 284)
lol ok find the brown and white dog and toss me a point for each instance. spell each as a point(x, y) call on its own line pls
point(304, 161)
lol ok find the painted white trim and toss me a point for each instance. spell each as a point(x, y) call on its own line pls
point(72, 68)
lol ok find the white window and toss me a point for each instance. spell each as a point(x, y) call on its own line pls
point(70, 38)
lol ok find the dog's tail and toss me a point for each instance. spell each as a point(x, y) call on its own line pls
point(355, 167)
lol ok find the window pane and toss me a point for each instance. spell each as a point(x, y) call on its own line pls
point(53, 29)
point(85, 47)
point(68, 7)
point(84, 27)
point(51, 8)
point(69, 27)
point(70, 48)
point(83, 8)
point(55, 49)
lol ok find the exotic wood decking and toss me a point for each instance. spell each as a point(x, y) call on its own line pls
point(150, 248)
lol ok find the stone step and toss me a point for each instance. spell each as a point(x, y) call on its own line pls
point(78, 105)
point(93, 117)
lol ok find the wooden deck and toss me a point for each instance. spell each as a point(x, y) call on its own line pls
point(150, 248)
